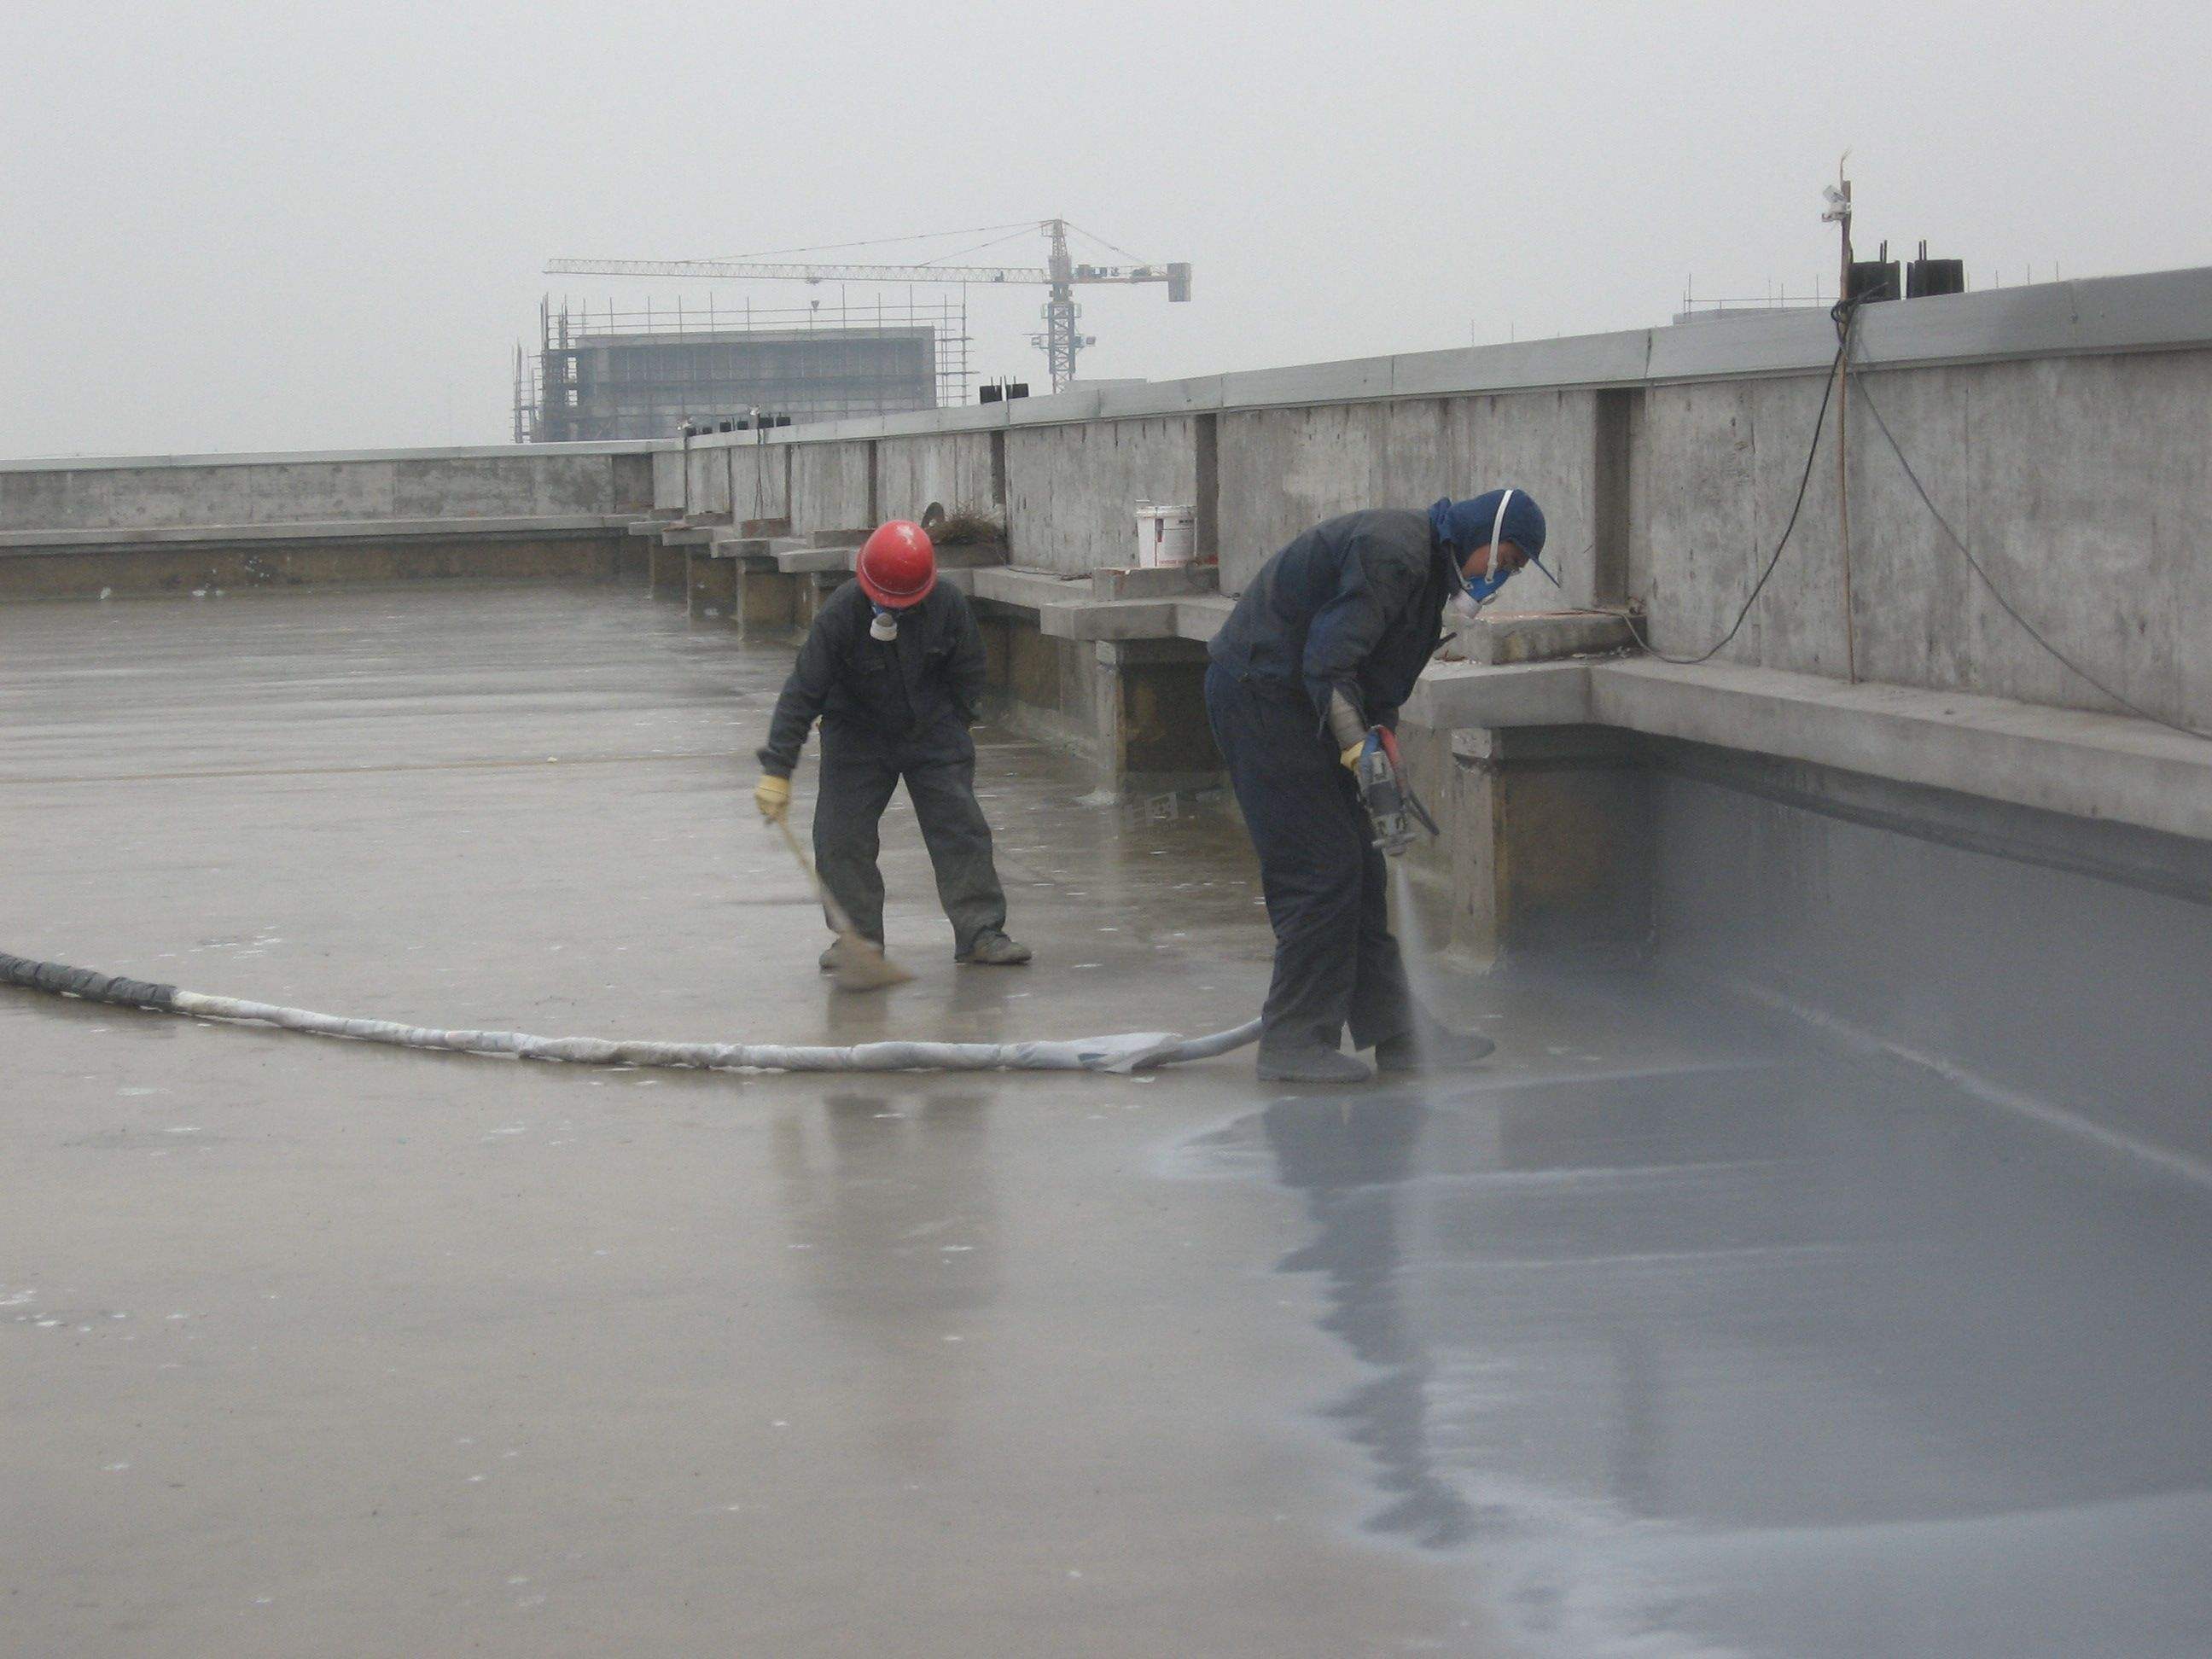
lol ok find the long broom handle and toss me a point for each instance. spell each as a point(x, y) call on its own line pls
point(838, 919)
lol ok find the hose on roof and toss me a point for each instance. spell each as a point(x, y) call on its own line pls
point(1126, 1052)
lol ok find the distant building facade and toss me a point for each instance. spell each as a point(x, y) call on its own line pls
point(591, 382)
point(646, 386)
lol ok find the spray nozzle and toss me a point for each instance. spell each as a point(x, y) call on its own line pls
point(1389, 799)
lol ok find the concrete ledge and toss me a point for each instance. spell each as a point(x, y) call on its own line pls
point(2090, 766)
point(812, 561)
point(1155, 581)
point(1452, 695)
point(1502, 637)
point(1029, 589)
point(1109, 619)
point(1066, 610)
point(20, 542)
point(1200, 619)
point(734, 541)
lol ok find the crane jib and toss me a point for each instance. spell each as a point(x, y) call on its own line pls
point(805, 273)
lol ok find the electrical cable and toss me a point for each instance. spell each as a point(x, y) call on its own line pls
point(1844, 314)
point(878, 241)
point(1103, 243)
point(962, 254)
point(1999, 593)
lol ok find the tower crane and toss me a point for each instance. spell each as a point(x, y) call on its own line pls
point(1059, 341)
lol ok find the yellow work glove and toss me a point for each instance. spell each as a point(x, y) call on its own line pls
point(1351, 756)
point(773, 796)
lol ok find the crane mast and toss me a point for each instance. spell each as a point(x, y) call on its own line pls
point(1059, 340)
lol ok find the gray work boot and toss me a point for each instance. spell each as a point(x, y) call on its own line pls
point(1435, 1046)
point(994, 950)
point(1310, 1065)
point(834, 957)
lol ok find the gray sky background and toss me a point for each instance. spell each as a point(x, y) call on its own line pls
point(236, 226)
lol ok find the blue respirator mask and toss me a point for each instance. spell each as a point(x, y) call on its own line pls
point(1476, 592)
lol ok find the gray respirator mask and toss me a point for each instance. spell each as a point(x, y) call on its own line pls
point(883, 626)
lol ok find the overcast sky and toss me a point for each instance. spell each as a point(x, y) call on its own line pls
point(231, 226)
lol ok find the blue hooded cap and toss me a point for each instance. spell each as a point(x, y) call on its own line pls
point(1462, 526)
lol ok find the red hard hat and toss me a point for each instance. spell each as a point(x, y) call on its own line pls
point(897, 567)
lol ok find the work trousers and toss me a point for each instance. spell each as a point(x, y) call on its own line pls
point(1327, 888)
point(858, 773)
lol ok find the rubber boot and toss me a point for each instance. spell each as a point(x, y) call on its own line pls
point(994, 950)
point(1314, 1064)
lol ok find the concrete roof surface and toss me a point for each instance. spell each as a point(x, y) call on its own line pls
point(1667, 1331)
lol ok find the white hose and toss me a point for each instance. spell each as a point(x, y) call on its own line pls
point(1127, 1052)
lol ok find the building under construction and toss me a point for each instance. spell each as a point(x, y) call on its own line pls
point(600, 376)
point(1061, 339)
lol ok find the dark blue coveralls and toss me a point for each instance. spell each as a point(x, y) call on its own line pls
point(893, 710)
point(1353, 606)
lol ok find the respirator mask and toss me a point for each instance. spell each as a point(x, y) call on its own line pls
point(1476, 592)
point(883, 626)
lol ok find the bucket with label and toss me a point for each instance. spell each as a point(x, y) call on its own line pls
point(1166, 535)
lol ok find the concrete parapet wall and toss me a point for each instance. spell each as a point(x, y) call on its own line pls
point(830, 486)
point(276, 490)
point(671, 477)
point(2083, 486)
point(1073, 491)
point(2160, 310)
point(158, 568)
point(706, 480)
point(2066, 429)
point(953, 470)
point(759, 482)
point(1284, 470)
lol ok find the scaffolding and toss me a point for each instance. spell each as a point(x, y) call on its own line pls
point(606, 374)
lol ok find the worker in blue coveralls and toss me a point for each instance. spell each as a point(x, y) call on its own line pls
point(1322, 647)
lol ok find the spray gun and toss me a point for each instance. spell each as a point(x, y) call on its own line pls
point(1389, 799)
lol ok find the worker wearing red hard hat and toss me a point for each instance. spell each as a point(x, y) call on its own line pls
point(893, 668)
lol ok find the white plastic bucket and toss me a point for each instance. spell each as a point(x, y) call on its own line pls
point(1166, 535)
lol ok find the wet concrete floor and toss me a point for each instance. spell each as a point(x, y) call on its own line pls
point(1667, 1331)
